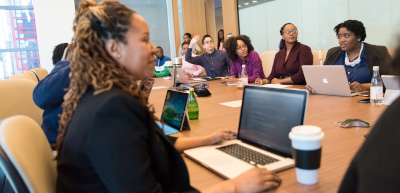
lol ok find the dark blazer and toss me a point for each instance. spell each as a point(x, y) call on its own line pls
point(376, 166)
point(113, 145)
point(376, 56)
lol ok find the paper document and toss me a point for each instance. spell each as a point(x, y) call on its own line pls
point(233, 104)
point(159, 87)
point(277, 85)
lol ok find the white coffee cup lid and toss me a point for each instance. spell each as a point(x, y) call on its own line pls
point(306, 132)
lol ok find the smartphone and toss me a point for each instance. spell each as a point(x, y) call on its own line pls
point(364, 101)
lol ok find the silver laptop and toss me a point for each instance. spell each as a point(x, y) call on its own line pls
point(266, 118)
point(329, 80)
point(179, 73)
point(392, 84)
point(181, 76)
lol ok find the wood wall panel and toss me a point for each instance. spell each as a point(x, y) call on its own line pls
point(194, 18)
point(210, 15)
point(230, 17)
point(176, 26)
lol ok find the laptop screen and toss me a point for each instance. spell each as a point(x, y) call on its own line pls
point(268, 115)
point(174, 108)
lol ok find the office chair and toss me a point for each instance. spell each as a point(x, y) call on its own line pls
point(319, 57)
point(26, 157)
point(16, 99)
point(267, 60)
point(40, 73)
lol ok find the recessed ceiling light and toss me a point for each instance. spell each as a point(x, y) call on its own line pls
point(255, 1)
point(246, 3)
point(239, 6)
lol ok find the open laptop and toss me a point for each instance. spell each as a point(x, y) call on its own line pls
point(392, 84)
point(266, 118)
point(182, 78)
point(174, 112)
point(328, 80)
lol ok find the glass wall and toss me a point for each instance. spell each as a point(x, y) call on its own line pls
point(155, 14)
point(18, 40)
point(315, 20)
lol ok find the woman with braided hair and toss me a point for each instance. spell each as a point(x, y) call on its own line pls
point(108, 140)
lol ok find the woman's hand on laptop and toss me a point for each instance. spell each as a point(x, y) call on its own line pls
point(357, 87)
point(184, 143)
point(187, 74)
point(256, 180)
point(309, 89)
point(220, 136)
point(253, 180)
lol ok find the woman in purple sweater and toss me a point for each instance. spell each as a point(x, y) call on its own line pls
point(289, 59)
point(240, 51)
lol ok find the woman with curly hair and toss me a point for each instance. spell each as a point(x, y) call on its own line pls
point(108, 139)
point(357, 57)
point(240, 51)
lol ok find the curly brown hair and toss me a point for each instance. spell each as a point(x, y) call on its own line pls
point(231, 44)
point(91, 65)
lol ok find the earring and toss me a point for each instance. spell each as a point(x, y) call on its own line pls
point(359, 39)
point(119, 56)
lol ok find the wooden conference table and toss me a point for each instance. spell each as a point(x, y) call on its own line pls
point(338, 147)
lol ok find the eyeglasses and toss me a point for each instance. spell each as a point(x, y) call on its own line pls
point(346, 35)
point(291, 32)
point(241, 47)
point(209, 42)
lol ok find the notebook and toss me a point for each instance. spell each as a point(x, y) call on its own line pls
point(392, 84)
point(267, 116)
point(174, 112)
point(328, 80)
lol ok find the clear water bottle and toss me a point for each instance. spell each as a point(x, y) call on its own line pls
point(243, 76)
point(376, 91)
point(258, 81)
point(193, 107)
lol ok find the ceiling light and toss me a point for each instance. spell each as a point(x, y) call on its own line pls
point(246, 3)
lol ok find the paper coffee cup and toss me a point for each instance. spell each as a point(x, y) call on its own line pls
point(306, 144)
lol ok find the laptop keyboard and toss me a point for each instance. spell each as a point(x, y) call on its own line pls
point(248, 155)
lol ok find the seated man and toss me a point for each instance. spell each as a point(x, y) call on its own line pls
point(49, 92)
point(160, 70)
point(214, 61)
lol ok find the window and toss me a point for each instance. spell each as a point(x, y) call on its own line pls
point(18, 40)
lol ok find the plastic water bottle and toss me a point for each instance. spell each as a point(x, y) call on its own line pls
point(243, 76)
point(193, 107)
point(376, 91)
point(258, 81)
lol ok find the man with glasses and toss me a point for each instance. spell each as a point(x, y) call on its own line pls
point(215, 62)
point(161, 70)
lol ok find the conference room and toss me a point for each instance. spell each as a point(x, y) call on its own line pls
point(261, 21)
